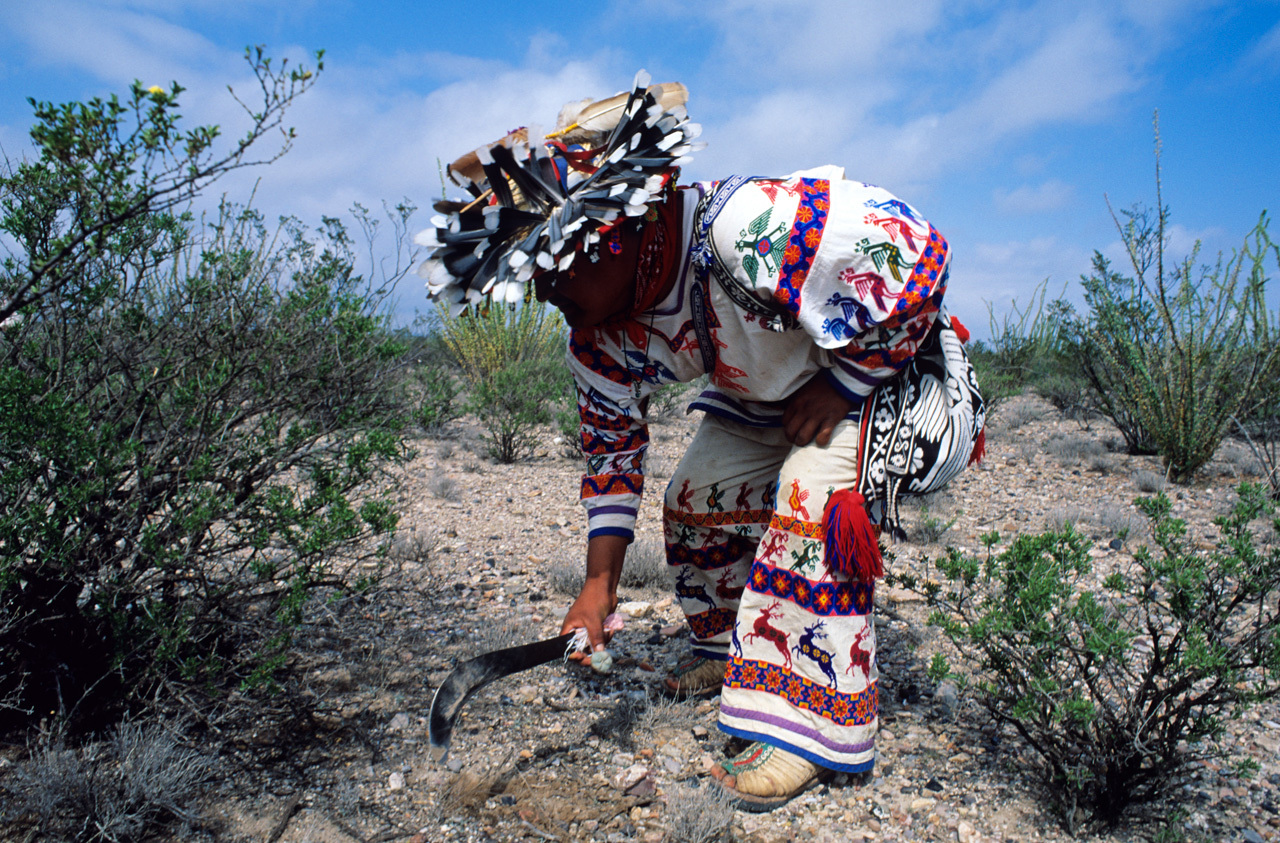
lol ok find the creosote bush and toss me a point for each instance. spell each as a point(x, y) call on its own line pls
point(1120, 690)
point(192, 414)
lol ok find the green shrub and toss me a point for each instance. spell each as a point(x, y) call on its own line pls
point(512, 402)
point(1175, 353)
point(486, 339)
point(1259, 421)
point(439, 392)
point(190, 414)
point(1122, 690)
point(1027, 349)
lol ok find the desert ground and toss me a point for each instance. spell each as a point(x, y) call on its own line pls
point(488, 555)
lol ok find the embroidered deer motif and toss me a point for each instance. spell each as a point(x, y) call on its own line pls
point(725, 591)
point(762, 629)
point(860, 656)
point(814, 653)
point(687, 591)
point(796, 501)
point(743, 501)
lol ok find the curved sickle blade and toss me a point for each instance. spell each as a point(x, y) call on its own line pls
point(473, 674)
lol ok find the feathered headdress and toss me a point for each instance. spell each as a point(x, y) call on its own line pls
point(537, 204)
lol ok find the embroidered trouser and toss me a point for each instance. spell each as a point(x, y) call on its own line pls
point(743, 523)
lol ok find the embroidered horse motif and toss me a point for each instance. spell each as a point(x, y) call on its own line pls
point(762, 629)
point(774, 546)
point(804, 557)
point(743, 501)
point(814, 653)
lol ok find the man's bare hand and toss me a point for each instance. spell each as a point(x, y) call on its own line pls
point(588, 612)
point(814, 410)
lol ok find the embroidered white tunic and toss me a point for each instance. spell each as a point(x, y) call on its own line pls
point(781, 279)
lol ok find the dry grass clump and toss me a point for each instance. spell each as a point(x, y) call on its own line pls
point(565, 576)
point(698, 814)
point(646, 567)
point(1148, 482)
point(1014, 415)
point(444, 487)
point(1073, 449)
point(133, 786)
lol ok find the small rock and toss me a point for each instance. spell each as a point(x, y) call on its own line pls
point(1250, 835)
point(635, 608)
point(964, 832)
point(399, 723)
point(1115, 544)
point(922, 804)
point(671, 631)
point(645, 787)
point(395, 781)
point(934, 785)
point(454, 765)
point(700, 732)
point(630, 777)
point(947, 695)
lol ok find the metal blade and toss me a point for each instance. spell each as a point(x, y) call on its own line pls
point(473, 674)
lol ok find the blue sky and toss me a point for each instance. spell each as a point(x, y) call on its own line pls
point(1007, 123)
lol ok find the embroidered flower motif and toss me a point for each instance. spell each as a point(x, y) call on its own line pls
point(884, 419)
point(917, 461)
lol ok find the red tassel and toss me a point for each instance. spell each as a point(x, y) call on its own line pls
point(853, 548)
point(961, 331)
point(979, 448)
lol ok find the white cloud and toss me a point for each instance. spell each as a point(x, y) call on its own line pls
point(1002, 274)
point(1034, 199)
point(113, 43)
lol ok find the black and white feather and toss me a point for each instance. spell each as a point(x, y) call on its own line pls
point(534, 212)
